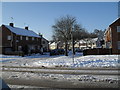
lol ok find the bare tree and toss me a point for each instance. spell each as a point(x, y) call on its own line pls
point(65, 29)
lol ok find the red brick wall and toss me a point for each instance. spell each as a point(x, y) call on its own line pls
point(7, 43)
point(115, 37)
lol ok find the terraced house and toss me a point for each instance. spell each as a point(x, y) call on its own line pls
point(112, 37)
point(16, 39)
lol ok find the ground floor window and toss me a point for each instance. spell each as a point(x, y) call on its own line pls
point(9, 37)
point(118, 44)
point(108, 44)
point(19, 48)
point(8, 49)
point(31, 47)
point(118, 28)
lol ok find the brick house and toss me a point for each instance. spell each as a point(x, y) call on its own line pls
point(87, 43)
point(17, 39)
point(112, 37)
point(53, 45)
point(45, 44)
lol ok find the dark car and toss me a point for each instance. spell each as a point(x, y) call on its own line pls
point(57, 52)
point(78, 50)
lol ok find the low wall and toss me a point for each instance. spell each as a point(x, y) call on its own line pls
point(97, 51)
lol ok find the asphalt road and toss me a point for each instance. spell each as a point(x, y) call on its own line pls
point(56, 82)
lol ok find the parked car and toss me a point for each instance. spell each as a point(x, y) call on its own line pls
point(57, 52)
point(78, 50)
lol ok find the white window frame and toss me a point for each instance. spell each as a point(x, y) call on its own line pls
point(9, 37)
point(27, 38)
point(33, 38)
point(19, 48)
point(21, 38)
point(118, 44)
point(118, 28)
point(37, 39)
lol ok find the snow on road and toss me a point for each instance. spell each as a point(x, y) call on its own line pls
point(80, 80)
point(53, 80)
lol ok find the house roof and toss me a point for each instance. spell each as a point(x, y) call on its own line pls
point(118, 19)
point(82, 41)
point(94, 39)
point(88, 41)
point(23, 32)
point(53, 43)
point(45, 39)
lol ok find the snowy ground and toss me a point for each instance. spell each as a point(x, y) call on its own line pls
point(62, 61)
point(47, 71)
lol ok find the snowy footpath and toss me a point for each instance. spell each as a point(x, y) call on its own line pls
point(93, 71)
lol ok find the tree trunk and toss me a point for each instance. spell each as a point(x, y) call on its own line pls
point(73, 48)
point(66, 47)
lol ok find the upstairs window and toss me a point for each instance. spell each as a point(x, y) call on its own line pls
point(118, 28)
point(43, 42)
point(37, 39)
point(119, 45)
point(21, 37)
point(26, 38)
point(9, 38)
point(32, 38)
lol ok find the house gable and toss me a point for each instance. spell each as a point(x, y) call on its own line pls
point(115, 23)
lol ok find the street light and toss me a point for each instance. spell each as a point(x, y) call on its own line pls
point(72, 40)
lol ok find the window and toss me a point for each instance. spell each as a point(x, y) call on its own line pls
point(21, 38)
point(43, 42)
point(26, 38)
point(118, 44)
point(32, 38)
point(19, 48)
point(108, 45)
point(8, 49)
point(9, 37)
point(33, 47)
point(118, 28)
point(37, 39)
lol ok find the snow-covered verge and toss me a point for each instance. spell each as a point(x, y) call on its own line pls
point(83, 61)
point(38, 60)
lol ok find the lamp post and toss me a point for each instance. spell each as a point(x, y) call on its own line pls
point(72, 40)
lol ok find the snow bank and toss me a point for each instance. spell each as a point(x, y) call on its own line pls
point(37, 60)
point(83, 61)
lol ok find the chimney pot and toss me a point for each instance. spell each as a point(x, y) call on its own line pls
point(11, 24)
point(26, 28)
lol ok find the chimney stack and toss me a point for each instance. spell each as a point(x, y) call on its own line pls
point(26, 28)
point(11, 24)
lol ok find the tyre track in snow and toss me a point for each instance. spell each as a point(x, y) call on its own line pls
point(63, 68)
point(73, 71)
